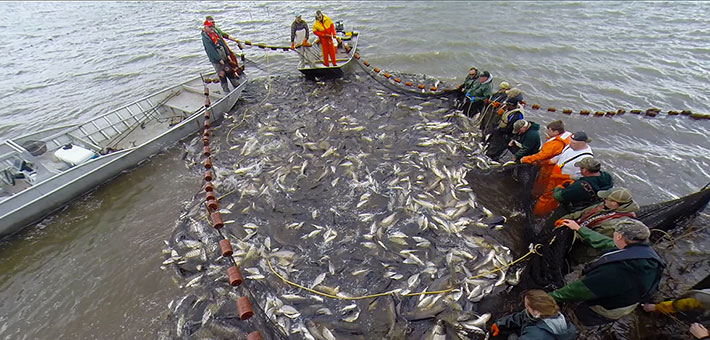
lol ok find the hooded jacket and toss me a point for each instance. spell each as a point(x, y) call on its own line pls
point(550, 328)
point(480, 90)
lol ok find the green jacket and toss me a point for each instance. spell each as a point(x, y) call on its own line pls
point(529, 141)
point(603, 226)
point(469, 82)
point(480, 91)
point(612, 285)
point(550, 328)
point(583, 192)
point(211, 48)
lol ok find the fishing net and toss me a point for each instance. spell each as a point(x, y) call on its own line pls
point(675, 213)
point(547, 270)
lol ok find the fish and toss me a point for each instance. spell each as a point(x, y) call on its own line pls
point(318, 280)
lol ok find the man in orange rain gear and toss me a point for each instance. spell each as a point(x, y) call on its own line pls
point(563, 171)
point(325, 31)
point(557, 139)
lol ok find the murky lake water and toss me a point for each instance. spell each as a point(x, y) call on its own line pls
point(92, 270)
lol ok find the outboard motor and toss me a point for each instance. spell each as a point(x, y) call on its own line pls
point(339, 26)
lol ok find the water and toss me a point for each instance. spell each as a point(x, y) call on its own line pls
point(62, 68)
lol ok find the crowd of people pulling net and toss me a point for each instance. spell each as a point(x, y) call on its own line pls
point(354, 219)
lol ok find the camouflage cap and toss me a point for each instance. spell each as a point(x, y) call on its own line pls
point(618, 195)
point(519, 124)
point(590, 164)
point(632, 229)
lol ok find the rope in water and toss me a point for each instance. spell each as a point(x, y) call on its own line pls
point(534, 250)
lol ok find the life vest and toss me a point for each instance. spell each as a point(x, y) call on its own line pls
point(213, 36)
point(635, 252)
point(589, 221)
point(564, 162)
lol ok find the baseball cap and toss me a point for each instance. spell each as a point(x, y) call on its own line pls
point(632, 229)
point(618, 195)
point(590, 164)
point(581, 136)
point(519, 125)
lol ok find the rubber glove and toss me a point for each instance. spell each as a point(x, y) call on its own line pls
point(292, 45)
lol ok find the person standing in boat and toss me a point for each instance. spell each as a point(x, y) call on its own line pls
point(324, 29)
point(217, 52)
point(476, 96)
point(299, 33)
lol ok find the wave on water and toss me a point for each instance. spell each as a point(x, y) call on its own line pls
point(139, 57)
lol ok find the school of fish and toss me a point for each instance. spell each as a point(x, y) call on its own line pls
point(349, 190)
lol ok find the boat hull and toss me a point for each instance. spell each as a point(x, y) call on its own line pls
point(343, 57)
point(41, 199)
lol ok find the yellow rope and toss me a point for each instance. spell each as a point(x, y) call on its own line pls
point(534, 250)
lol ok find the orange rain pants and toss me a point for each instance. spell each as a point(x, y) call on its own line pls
point(546, 204)
point(325, 32)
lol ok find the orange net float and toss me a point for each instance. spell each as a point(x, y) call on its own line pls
point(207, 163)
point(636, 112)
point(225, 247)
point(620, 111)
point(364, 62)
point(356, 56)
point(686, 112)
point(206, 133)
point(652, 112)
point(207, 124)
point(208, 176)
point(551, 109)
point(235, 278)
point(420, 86)
point(206, 151)
point(485, 100)
point(244, 308)
point(207, 115)
point(217, 220)
point(255, 335)
point(215, 81)
point(598, 113)
point(433, 89)
point(610, 113)
point(584, 112)
point(673, 113)
point(535, 106)
point(206, 91)
point(496, 104)
point(209, 187)
point(567, 111)
point(386, 75)
point(211, 205)
point(408, 83)
point(397, 80)
point(209, 196)
point(377, 70)
point(205, 141)
point(207, 102)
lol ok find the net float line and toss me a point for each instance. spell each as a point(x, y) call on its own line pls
point(650, 112)
point(214, 218)
point(409, 84)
